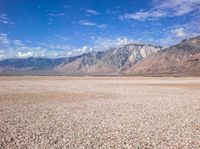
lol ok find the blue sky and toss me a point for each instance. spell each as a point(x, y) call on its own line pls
point(59, 28)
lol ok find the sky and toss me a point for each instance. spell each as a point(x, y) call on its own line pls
point(63, 28)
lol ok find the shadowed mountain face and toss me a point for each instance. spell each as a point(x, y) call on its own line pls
point(31, 65)
point(80, 65)
point(181, 59)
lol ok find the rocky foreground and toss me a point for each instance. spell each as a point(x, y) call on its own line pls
point(94, 112)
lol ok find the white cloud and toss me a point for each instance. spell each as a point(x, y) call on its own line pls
point(4, 18)
point(92, 12)
point(78, 51)
point(36, 52)
point(103, 26)
point(56, 14)
point(179, 32)
point(183, 31)
point(2, 54)
point(25, 52)
point(167, 8)
point(4, 39)
point(87, 23)
point(4, 21)
point(124, 40)
point(142, 15)
point(93, 24)
point(24, 55)
point(18, 42)
point(101, 43)
point(180, 7)
point(50, 51)
point(19, 49)
point(63, 38)
point(84, 49)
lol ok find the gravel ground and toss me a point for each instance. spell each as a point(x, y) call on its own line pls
point(99, 112)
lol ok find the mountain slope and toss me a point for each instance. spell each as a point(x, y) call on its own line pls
point(181, 59)
point(113, 61)
point(31, 65)
point(80, 65)
point(120, 59)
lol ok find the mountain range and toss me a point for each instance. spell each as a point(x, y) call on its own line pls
point(182, 59)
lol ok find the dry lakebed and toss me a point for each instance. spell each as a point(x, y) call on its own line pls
point(99, 112)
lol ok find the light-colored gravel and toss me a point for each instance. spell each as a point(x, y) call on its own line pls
point(95, 112)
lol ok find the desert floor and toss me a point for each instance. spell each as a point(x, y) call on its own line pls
point(99, 112)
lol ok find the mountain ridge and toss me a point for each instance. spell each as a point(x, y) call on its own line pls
point(182, 59)
point(129, 59)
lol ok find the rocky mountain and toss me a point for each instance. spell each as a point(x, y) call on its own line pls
point(181, 59)
point(113, 61)
point(117, 60)
point(81, 65)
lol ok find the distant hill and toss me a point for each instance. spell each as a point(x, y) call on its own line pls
point(131, 59)
point(31, 66)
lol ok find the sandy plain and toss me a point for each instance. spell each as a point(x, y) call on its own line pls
point(99, 112)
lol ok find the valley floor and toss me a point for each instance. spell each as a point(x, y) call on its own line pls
point(99, 112)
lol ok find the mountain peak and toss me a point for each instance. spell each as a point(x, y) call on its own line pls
point(180, 59)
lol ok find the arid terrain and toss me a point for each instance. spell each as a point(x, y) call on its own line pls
point(99, 112)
